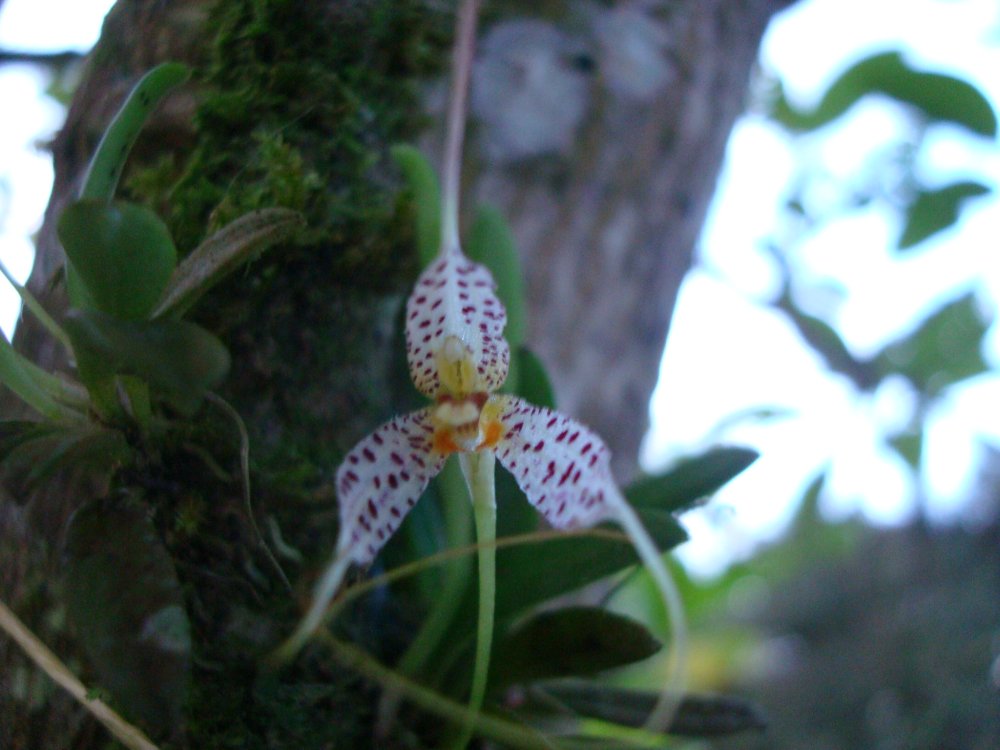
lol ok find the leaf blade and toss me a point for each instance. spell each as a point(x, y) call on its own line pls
point(573, 641)
point(121, 254)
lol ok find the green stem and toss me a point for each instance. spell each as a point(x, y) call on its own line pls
point(479, 470)
point(501, 730)
point(458, 530)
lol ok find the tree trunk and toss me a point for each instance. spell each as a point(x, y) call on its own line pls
point(597, 131)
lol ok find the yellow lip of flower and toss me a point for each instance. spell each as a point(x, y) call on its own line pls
point(467, 424)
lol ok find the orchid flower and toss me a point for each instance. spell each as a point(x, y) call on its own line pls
point(458, 358)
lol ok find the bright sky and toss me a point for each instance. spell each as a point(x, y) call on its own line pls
point(726, 353)
point(25, 169)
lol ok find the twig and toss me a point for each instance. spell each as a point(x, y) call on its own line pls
point(126, 733)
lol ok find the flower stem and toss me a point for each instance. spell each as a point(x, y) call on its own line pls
point(458, 531)
point(501, 730)
point(479, 470)
point(465, 44)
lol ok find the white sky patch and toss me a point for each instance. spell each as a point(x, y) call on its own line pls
point(25, 175)
point(25, 167)
point(52, 25)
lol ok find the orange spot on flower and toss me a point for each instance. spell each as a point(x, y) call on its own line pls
point(444, 443)
point(492, 434)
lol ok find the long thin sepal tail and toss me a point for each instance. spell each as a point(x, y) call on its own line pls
point(673, 689)
point(564, 470)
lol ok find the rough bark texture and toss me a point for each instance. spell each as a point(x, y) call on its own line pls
point(603, 152)
point(607, 197)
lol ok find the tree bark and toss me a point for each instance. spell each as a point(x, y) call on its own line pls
point(598, 131)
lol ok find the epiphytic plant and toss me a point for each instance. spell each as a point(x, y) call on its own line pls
point(133, 356)
point(458, 357)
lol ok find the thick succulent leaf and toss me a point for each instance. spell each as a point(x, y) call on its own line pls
point(31, 451)
point(178, 357)
point(939, 97)
point(121, 253)
point(236, 243)
point(575, 641)
point(682, 486)
point(125, 603)
point(536, 573)
point(491, 242)
point(381, 478)
point(562, 467)
point(455, 298)
point(943, 350)
point(116, 144)
point(27, 381)
point(697, 715)
point(933, 211)
point(423, 184)
point(30, 456)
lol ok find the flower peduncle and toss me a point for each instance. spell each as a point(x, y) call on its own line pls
point(465, 46)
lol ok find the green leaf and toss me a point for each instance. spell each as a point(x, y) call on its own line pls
point(932, 211)
point(423, 184)
point(943, 350)
point(121, 253)
point(31, 452)
point(938, 97)
point(27, 381)
point(109, 160)
point(682, 486)
point(178, 357)
point(536, 573)
point(575, 641)
point(30, 303)
point(532, 574)
point(491, 243)
point(533, 382)
point(697, 716)
point(126, 605)
point(236, 243)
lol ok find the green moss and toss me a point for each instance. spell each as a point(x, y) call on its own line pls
point(299, 102)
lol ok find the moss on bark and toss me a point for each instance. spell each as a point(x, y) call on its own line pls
point(298, 103)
